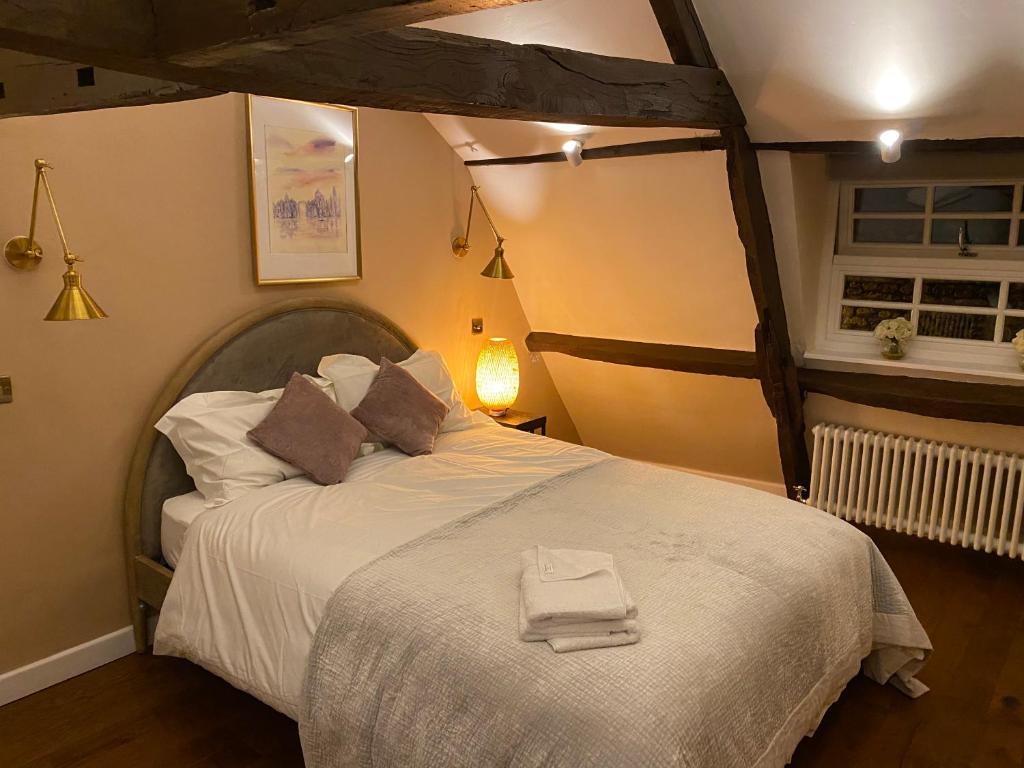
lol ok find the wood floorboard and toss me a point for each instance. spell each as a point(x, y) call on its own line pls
point(145, 711)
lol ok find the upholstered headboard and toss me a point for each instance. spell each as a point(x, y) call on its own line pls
point(256, 352)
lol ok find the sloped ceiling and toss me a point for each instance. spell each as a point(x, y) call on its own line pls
point(646, 248)
point(816, 69)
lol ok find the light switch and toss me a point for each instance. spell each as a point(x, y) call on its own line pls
point(477, 325)
point(6, 393)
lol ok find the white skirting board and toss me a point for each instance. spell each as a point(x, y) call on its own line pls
point(64, 665)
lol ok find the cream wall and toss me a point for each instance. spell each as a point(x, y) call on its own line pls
point(641, 248)
point(156, 200)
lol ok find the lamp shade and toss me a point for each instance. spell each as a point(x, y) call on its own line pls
point(497, 267)
point(73, 302)
point(497, 376)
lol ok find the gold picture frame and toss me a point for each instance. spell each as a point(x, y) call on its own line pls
point(300, 232)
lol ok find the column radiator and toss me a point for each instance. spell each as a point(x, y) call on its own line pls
point(971, 497)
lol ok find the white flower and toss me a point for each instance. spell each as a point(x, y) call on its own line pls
point(1018, 341)
point(898, 328)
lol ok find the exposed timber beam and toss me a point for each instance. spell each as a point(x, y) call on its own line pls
point(635, 149)
point(683, 33)
point(416, 70)
point(734, 363)
point(907, 147)
point(688, 45)
point(966, 401)
point(207, 33)
point(34, 85)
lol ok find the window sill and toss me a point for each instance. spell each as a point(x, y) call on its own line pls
point(919, 365)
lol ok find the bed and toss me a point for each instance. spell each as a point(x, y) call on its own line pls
point(380, 613)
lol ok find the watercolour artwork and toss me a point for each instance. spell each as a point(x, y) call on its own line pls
point(304, 191)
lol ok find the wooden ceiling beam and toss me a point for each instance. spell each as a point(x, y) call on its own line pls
point(35, 85)
point(410, 69)
point(908, 147)
point(734, 363)
point(962, 400)
point(635, 149)
point(207, 33)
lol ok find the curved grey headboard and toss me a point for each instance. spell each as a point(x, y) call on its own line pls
point(258, 351)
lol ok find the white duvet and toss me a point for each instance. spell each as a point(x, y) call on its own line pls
point(254, 575)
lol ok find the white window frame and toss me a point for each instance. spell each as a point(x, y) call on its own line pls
point(832, 347)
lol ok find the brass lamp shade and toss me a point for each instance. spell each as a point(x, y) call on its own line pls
point(498, 267)
point(74, 302)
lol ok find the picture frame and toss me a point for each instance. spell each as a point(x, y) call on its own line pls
point(303, 191)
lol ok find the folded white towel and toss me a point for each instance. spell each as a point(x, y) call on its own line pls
point(574, 600)
point(548, 629)
point(570, 585)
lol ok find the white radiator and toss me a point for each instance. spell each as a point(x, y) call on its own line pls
point(973, 497)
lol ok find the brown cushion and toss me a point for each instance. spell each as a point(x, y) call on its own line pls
point(401, 411)
point(309, 430)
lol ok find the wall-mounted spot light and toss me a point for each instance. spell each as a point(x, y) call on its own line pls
point(497, 267)
point(890, 141)
point(24, 253)
point(573, 150)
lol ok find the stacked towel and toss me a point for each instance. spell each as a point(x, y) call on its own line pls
point(574, 599)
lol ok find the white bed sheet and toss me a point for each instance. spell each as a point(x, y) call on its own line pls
point(176, 515)
point(254, 575)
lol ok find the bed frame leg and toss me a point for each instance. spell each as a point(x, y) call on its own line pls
point(140, 624)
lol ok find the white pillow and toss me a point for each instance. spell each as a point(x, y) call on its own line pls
point(209, 432)
point(352, 375)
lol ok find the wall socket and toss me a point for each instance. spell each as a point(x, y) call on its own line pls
point(6, 393)
point(477, 325)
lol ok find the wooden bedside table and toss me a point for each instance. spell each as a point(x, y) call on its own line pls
point(524, 422)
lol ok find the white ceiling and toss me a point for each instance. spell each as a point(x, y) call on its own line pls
point(802, 69)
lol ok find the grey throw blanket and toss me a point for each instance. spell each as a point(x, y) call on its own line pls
point(755, 612)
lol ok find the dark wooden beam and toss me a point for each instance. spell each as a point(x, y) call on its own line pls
point(416, 70)
point(683, 33)
point(427, 71)
point(669, 357)
point(688, 45)
point(35, 85)
point(214, 31)
point(908, 147)
point(778, 370)
point(635, 149)
point(965, 401)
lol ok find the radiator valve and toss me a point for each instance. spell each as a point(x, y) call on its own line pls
point(800, 493)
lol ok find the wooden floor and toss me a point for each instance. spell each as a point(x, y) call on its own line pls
point(145, 711)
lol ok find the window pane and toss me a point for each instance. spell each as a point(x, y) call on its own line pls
point(981, 199)
point(979, 231)
point(949, 325)
point(1015, 299)
point(889, 199)
point(888, 230)
point(1013, 324)
point(960, 293)
point(866, 318)
point(863, 288)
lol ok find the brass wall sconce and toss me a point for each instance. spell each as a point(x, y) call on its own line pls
point(497, 267)
point(24, 253)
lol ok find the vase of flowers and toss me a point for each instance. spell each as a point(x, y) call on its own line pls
point(1018, 344)
point(892, 333)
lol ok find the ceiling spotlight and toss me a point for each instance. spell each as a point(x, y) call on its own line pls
point(890, 141)
point(573, 150)
point(893, 91)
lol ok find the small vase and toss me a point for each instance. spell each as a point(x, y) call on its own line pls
point(892, 349)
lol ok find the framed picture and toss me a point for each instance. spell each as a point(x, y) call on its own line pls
point(304, 191)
